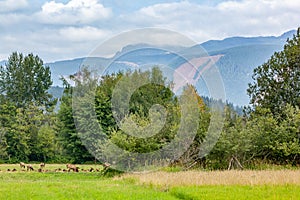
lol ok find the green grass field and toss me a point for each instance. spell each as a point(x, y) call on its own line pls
point(84, 185)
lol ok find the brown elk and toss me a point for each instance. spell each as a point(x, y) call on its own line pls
point(22, 165)
point(29, 167)
point(42, 165)
point(105, 166)
point(72, 167)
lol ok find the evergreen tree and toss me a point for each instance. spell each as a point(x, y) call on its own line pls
point(72, 147)
point(25, 80)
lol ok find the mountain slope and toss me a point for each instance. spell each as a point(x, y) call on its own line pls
point(2, 63)
point(227, 43)
point(237, 57)
point(236, 68)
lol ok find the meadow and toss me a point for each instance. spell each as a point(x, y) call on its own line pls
point(266, 184)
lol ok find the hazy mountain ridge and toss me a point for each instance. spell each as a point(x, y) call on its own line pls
point(238, 57)
point(2, 63)
point(217, 45)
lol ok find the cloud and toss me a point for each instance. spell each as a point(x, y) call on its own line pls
point(83, 34)
point(12, 5)
point(53, 43)
point(58, 30)
point(10, 19)
point(73, 12)
point(228, 18)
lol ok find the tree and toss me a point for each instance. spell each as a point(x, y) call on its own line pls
point(26, 109)
point(25, 80)
point(192, 156)
point(141, 127)
point(73, 149)
point(139, 110)
point(277, 82)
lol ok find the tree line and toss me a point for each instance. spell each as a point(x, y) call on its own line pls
point(268, 131)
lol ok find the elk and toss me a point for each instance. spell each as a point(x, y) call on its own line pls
point(72, 167)
point(42, 165)
point(105, 166)
point(29, 167)
point(22, 165)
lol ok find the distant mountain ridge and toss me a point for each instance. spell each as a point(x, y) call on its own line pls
point(231, 42)
point(2, 63)
point(238, 56)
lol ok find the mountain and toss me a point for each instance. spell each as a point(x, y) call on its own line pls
point(56, 91)
point(235, 58)
point(2, 63)
point(68, 67)
point(227, 43)
point(240, 57)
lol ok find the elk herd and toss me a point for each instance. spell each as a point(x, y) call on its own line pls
point(29, 166)
point(69, 167)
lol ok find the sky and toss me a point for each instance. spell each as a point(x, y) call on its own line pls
point(61, 29)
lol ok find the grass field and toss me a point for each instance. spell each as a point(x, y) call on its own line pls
point(280, 184)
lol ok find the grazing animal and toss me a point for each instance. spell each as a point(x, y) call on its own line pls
point(91, 170)
point(105, 166)
point(42, 165)
point(40, 170)
point(72, 167)
point(57, 170)
point(22, 165)
point(14, 170)
point(29, 167)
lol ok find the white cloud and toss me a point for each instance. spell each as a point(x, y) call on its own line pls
point(83, 34)
point(53, 43)
point(57, 30)
point(228, 18)
point(10, 19)
point(73, 12)
point(12, 5)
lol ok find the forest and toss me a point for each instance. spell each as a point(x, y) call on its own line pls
point(34, 129)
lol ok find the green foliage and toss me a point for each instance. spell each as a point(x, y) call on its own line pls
point(147, 129)
point(26, 109)
point(202, 117)
point(277, 82)
point(146, 118)
point(276, 139)
point(24, 80)
point(69, 141)
point(103, 102)
point(25, 134)
point(234, 142)
point(141, 119)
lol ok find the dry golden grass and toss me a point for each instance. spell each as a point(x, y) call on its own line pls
point(247, 177)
